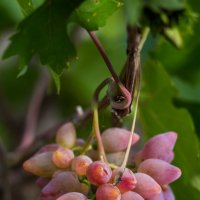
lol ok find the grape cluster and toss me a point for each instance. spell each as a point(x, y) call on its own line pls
point(66, 172)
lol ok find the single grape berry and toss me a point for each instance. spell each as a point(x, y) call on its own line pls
point(61, 183)
point(80, 164)
point(66, 135)
point(116, 139)
point(62, 157)
point(130, 195)
point(99, 173)
point(160, 147)
point(146, 186)
point(124, 179)
point(162, 172)
point(40, 164)
point(108, 192)
point(73, 196)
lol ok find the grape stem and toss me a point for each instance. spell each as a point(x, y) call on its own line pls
point(110, 67)
point(97, 134)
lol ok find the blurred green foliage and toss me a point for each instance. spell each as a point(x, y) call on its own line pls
point(169, 100)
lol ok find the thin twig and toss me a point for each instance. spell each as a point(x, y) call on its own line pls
point(33, 112)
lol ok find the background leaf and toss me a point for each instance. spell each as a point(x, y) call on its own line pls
point(158, 114)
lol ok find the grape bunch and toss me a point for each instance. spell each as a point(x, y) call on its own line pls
point(70, 169)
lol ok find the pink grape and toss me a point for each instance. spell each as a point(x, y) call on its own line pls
point(66, 135)
point(146, 186)
point(157, 197)
point(131, 196)
point(80, 164)
point(162, 172)
point(116, 139)
point(160, 147)
point(73, 196)
point(60, 184)
point(124, 179)
point(108, 192)
point(62, 157)
point(99, 173)
point(168, 194)
point(40, 165)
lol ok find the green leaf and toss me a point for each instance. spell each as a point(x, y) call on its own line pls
point(158, 115)
point(44, 33)
point(26, 6)
point(93, 14)
point(156, 5)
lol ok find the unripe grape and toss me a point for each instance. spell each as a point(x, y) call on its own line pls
point(116, 139)
point(162, 172)
point(146, 186)
point(73, 196)
point(131, 196)
point(40, 165)
point(108, 192)
point(116, 158)
point(62, 157)
point(60, 184)
point(99, 173)
point(124, 179)
point(168, 194)
point(66, 135)
point(160, 147)
point(80, 164)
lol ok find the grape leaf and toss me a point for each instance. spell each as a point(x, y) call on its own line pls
point(26, 6)
point(158, 115)
point(93, 14)
point(44, 33)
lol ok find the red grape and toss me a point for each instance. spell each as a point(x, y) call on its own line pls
point(99, 173)
point(62, 157)
point(80, 164)
point(108, 192)
point(124, 179)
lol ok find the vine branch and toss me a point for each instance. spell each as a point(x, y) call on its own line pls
point(33, 112)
